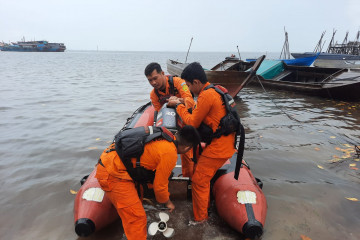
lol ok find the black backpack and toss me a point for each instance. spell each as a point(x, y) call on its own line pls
point(130, 143)
point(228, 124)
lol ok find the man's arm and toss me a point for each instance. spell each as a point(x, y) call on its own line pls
point(166, 164)
point(198, 115)
point(184, 92)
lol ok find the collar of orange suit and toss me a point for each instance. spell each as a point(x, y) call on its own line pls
point(163, 92)
point(205, 85)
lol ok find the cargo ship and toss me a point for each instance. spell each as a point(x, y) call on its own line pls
point(33, 46)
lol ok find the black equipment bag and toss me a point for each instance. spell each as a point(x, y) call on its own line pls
point(130, 143)
point(228, 124)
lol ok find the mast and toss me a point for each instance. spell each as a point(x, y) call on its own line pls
point(319, 45)
point(285, 50)
point(188, 50)
point(331, 44)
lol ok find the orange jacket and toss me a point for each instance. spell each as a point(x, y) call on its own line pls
point(183, 92)
point(159, 155)
point(209, 109)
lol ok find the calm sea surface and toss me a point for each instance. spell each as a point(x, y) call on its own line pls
point(58, 111)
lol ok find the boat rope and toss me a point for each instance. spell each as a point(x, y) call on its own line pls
point(272, 100)
point(343, 136)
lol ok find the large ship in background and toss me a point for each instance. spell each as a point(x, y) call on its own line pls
point(33, 46)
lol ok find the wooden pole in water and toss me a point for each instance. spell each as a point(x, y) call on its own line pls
point(188, 50)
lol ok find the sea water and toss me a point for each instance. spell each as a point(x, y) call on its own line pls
point(58, 111)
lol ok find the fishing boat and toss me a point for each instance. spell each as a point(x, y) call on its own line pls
point(229, 73)
point(334, 83)
point(245, 204)
point(33, 46)
point(285, 56)
point(337, 55)
point(301, 61)
point(332, 60)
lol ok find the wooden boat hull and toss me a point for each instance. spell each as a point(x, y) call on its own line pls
point(91, 215)
point(328, 63)
point(241, 203)
point(232, 80)
point(335, 83)
point(332, 60)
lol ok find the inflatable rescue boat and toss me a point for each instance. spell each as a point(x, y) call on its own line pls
point(241, 203)
point(238, 196)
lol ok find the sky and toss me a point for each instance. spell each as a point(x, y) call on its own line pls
point(167, 25)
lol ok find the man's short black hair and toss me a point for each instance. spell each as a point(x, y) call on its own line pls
point(188, 136)
point(151, 67)
point(194, 71)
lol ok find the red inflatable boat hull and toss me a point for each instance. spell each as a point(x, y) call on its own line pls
point(92, 209)
point(241, 203)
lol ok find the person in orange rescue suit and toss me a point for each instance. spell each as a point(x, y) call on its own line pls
point(159, 155)
point(162, 89)
point(209, 110)
point(160, 94)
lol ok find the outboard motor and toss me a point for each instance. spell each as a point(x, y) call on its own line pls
point(167, 117)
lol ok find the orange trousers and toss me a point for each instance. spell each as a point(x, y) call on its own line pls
point(205, 169)
point(187, 164)
point(123, 195)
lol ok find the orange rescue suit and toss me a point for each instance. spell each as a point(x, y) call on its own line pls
point(183, 92)
point(159, 155)
point(209, 109)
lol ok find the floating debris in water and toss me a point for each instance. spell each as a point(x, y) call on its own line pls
point(319, 166)
point(352, 199)
point(303, 237)
point(73, 192)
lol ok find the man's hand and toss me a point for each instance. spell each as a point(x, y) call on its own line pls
point(170, 205)
point(173, 100)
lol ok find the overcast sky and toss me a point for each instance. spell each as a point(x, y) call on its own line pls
point(167, 25)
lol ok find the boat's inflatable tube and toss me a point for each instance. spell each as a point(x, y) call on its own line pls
point(92, 209)
point(241, 203)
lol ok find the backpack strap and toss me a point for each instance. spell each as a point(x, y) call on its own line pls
point(172, 89)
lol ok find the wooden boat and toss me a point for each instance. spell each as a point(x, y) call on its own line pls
point(285, 56)
point(303, 61)
point(335, 83)
point(337, 55)
point(245, 204)
point(332, 60)
point(229, 73)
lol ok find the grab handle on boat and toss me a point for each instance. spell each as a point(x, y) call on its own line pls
point(155, 117)
point(240, 153)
